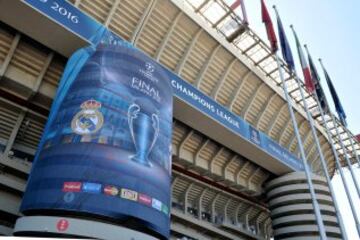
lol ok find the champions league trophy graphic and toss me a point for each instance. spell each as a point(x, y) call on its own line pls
point(144, 130)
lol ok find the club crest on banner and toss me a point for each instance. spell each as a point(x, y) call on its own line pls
point(89, 120)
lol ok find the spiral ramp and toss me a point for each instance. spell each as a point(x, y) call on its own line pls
point(291, 208)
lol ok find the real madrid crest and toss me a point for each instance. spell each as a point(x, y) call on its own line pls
point(89, 120)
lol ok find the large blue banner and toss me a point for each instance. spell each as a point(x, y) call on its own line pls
point(106, 149)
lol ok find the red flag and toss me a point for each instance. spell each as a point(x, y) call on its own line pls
point(309, 83)
point(269, 27)
point(238, 3)
point(235, 4)
point(358, 137)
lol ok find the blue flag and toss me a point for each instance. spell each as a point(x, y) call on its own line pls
point(318, 88)
point(285, 47)
point(339, 109)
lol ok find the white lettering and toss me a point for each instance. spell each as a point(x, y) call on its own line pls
point(193, 95)
point(145, 88)
point(64, 12)
point(208, 105)
point(228, 118)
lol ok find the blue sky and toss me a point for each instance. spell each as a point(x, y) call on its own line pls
point(330, 29)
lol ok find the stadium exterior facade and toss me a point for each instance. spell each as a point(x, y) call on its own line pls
point(225, 185)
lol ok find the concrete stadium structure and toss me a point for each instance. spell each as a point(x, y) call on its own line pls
point(218, 186)
point(291, 210)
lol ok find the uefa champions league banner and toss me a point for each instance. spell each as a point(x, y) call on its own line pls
point(106, 149)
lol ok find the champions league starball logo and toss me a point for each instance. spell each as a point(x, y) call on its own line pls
point(89, 120)
point(144, 130)
point(149, 68)
point(148, 71)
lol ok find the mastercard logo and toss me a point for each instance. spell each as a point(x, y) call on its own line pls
point(111, 190)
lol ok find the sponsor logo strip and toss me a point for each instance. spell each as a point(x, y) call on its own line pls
point(111, 190)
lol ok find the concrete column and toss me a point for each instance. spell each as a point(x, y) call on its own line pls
point(292, 213)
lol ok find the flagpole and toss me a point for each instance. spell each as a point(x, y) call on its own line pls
point(322, 158)
point(346, 156)
point(243, 9)
point(343, 146)
point(353, 147)
point(315, 203)
point(303, 157)
point(337, 161)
